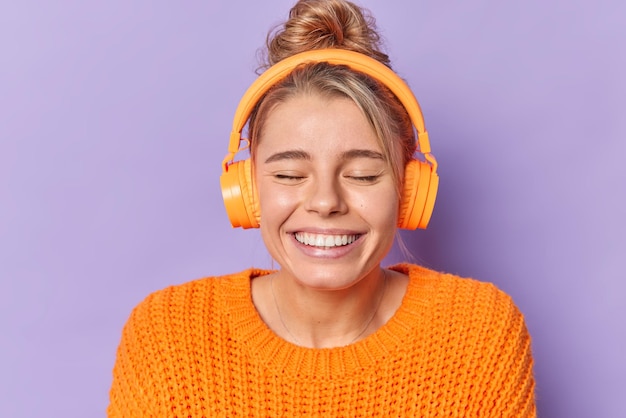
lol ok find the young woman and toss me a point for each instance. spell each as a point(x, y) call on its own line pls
point(332, 175)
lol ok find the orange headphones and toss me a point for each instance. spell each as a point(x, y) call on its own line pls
point(420, 177)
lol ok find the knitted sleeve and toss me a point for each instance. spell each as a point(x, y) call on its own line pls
point(508, 363)
point(137, 376)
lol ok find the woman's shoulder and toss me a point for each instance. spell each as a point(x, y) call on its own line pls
point(460, 297)
point(465, 314)
point(193, 298)
point(472, 332)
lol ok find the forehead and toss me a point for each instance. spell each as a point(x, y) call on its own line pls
point(317, 124)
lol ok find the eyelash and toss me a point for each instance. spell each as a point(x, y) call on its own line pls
point(366, 179)
point(360, 179)
point(287, 177)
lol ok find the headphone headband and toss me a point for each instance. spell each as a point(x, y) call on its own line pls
point(354, 60)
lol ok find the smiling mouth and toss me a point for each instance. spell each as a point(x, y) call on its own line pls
point(325, 241)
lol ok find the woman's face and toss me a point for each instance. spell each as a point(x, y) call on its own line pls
point(328, 201)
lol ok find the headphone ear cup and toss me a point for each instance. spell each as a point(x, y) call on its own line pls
point(418, 197)
point(239, 195)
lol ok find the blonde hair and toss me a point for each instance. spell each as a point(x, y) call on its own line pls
point(319, 24)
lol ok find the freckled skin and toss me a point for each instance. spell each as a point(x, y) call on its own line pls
point(318, 169)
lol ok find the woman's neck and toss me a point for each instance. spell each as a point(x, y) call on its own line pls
point(328, 318)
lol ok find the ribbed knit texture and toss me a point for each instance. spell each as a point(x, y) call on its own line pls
point(455, 348)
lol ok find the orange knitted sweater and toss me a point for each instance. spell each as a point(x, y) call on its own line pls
point(455, 348)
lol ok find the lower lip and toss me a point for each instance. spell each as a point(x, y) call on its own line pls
point(326, 252)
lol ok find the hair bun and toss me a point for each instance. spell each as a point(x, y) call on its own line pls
point(319, 24)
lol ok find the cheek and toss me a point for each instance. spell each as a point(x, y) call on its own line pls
point(274, 202)
point(382, 207)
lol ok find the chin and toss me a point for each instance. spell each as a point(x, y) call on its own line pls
point(329, 277)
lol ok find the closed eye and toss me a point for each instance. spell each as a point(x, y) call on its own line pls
point(365, 179)
point(288, 178)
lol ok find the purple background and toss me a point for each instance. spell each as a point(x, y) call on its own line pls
point(114, 118)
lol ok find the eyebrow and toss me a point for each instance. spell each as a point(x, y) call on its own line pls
point(289, 155)
point(362, 153)
point(303, 155)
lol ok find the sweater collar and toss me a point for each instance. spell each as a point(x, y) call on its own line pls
point(388, 342)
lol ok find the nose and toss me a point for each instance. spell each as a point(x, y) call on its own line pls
point(326, 198)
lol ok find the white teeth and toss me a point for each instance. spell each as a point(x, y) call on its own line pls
point(320, 240)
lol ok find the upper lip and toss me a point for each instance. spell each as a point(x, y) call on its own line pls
point(326, 231)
